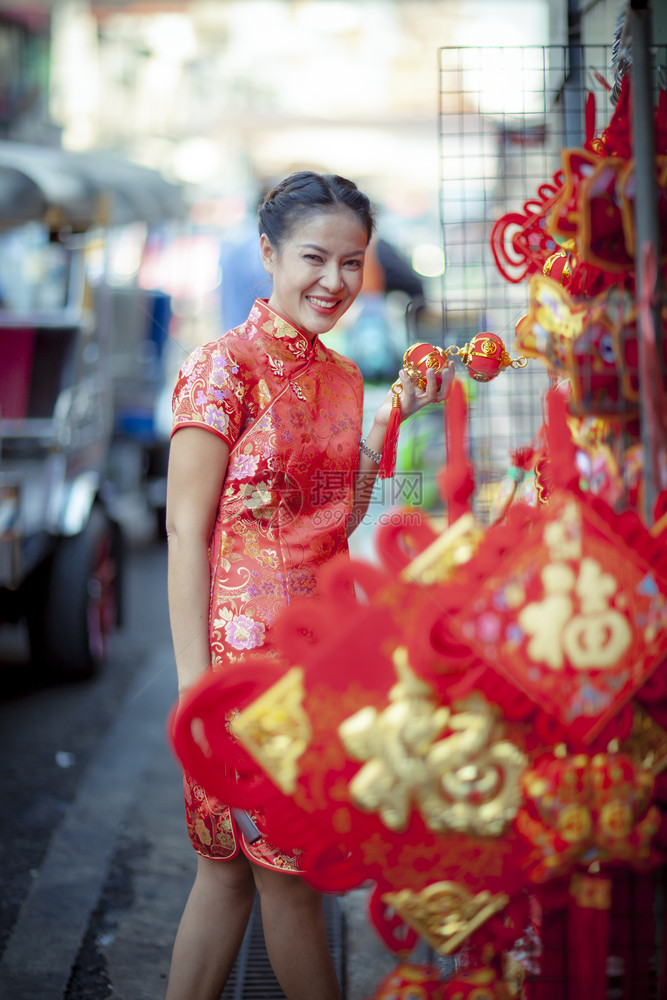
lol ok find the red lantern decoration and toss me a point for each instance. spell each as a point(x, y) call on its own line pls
point(411, 982)
point(485, 357)
point(419, 358)
point(416, 361)
point(560, 265)
point(477, 984)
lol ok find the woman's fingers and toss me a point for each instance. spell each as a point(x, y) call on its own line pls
point(413, 398)
point(448, 376)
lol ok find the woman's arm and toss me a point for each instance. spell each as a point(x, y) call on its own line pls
point(197, 468)
point(412, 399)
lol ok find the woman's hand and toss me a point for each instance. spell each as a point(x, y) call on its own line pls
point(413, 398)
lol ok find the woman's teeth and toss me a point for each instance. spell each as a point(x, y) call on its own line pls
point(322, 303)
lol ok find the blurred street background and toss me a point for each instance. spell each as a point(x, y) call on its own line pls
point(136, 139)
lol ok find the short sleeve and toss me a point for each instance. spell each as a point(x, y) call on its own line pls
point(210, 392)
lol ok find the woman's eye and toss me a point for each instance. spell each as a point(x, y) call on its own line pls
point(314, 257)
point(354, 264)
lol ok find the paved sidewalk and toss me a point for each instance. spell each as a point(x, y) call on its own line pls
point(52, 922)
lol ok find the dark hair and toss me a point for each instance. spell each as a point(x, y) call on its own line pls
point(304, 193)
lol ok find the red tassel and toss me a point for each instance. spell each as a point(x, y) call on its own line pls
point(590, 118)
point(588, 936)
point(456, 480)
point(562, 452)
point(390, 447)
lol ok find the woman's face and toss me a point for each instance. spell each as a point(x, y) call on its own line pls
point(318, 270)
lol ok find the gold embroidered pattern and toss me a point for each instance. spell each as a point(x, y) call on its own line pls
point(575, 620)
point(446, 761)
point(276, 730)
point(451, 549)
point(445, 913)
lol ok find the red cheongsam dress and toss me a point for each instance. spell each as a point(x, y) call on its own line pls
point(290, 412)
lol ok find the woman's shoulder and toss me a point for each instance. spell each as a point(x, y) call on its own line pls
point(233, 344)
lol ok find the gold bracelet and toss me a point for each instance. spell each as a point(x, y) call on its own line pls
point(375, 456)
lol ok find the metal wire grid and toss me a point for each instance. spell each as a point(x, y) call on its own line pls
point(252, 977)
point(505, 115)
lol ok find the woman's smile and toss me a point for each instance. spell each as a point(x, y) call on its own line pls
point(325, 304)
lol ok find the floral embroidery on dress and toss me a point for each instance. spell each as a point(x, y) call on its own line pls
point(257, 497)
point(244, 633)
point(263, 394)
point(280, 328)
point(245, 467)
point(191, 362)
point(217, 419)
point(226, 554)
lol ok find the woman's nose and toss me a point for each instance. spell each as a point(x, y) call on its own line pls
point(332, 278)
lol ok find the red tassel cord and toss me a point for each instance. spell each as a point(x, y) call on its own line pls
point(390, 447)
point(590, 120)
point(456, 480)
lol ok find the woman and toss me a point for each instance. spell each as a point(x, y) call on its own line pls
point(268, 474)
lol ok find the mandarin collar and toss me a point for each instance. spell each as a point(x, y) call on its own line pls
point(295, 340)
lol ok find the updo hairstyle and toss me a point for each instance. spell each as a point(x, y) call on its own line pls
point(305, 193)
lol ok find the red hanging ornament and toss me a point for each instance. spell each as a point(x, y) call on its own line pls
point(419, 358)
point(560, 265)
point(411, 982)
point(390, 446)
point(416, 361)
point(485, 357)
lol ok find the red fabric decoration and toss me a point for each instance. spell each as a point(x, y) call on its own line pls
point(591, 342)
point(563, 472)
point(589, 924)
point(590, 118)
point(616, 138)
point(575, 615)
point(656, 409)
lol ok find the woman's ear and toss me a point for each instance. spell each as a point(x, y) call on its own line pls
point(267, 253)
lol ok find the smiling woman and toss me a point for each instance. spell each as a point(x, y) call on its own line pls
point(320, 271)
point(268, 475)
point(317, 265)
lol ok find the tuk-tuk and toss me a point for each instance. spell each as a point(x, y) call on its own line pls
point(60, 545)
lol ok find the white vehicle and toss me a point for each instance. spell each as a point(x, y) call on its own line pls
point(60, 547)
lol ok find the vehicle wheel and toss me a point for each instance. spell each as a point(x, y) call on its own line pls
point(71, 625)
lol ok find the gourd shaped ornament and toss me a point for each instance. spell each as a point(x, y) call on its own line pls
point(484, 357)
